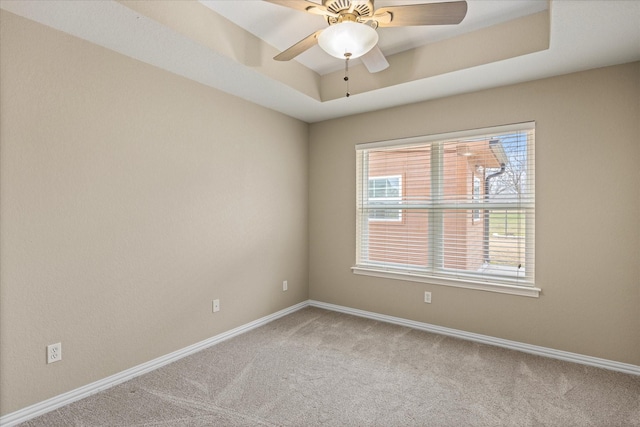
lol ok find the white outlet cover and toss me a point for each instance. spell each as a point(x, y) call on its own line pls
point(285, 285)
point(427, 297)
point(216, 305)
point(54, 352)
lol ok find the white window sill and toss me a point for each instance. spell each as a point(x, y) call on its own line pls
point(526, 291)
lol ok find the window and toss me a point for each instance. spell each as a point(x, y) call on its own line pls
point(385, 190)
point(463, 209)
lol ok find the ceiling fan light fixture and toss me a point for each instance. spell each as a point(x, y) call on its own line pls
point(348, 38)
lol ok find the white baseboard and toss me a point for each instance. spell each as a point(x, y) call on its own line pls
point(56, 402)
point(485, 339)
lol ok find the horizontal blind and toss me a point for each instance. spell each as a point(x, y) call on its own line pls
point(458, 206)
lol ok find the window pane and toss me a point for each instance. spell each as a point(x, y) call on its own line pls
point(405, 244)
point(491, 246)
point(463, 241)
point(506, 238)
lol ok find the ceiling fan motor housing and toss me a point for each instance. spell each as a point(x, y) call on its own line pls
point(360, 8)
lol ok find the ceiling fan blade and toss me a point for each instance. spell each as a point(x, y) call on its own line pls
point(422, 14)
point(304, 6)
point(316, 10)
point(295, 50)
point(374, 60)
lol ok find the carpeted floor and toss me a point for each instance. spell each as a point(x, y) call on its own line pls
point(317, 367)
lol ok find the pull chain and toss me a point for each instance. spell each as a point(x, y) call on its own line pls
point(346, 71)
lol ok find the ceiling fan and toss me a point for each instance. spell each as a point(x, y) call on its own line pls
point(353, 23)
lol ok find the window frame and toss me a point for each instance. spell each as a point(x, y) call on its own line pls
point(464, 279)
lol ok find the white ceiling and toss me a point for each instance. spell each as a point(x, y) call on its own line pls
point(584, 35)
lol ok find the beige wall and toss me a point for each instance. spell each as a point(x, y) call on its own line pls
point(130, 199)
point(587, 216)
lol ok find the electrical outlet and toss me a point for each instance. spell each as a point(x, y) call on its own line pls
point(285, 286)
point(54, 353)
point(216, 305)
point(427, 297)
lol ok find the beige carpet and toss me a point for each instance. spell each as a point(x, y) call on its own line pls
point(316, 367)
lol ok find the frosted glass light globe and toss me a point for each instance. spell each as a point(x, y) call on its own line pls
point(348, 37)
